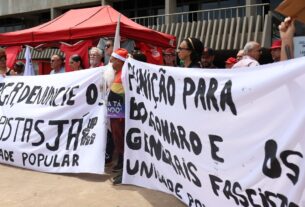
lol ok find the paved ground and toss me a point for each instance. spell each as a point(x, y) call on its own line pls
point(25, 188)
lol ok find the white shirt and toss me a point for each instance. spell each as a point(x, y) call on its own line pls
point(62, 70)
point(246, 61)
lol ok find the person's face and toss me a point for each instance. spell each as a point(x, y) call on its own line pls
point(74, 65)
point(183, 51)
point(239, 55)
point(18, 69)
point(3, 62)
point(95, 58)
point(108, 48)
point(56, 62)
point(116, 63)
point(207, 60)
point(169, 59)
point(276, 54)
point(256, 52)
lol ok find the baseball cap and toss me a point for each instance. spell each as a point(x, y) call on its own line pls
point(276, 44)
point(231, 60)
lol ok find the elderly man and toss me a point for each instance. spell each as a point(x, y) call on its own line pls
point(116, 96)
point(252, 53)
point(95, 57)
point(57, 64)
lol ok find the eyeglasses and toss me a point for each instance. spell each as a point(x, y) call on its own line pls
point(94, 55)
point(180, 48)
point(107, 46)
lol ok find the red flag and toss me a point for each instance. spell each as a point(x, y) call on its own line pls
point(11, 55)
point(153, 54)
point(80, 48)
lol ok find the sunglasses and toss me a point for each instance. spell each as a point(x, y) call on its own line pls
point(181, 48)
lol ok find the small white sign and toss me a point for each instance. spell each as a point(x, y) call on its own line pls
point(299, 46)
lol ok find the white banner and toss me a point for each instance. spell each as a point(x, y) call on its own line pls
point(53, 123)
point(217, 137)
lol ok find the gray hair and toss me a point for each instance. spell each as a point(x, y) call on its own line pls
point(250, 46)
point(99, 51)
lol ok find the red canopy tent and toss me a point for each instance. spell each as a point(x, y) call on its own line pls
point(86, 23)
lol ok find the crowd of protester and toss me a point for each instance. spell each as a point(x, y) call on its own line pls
point(190, 53)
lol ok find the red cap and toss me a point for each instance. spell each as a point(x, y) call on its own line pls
point(121, 54)
point(276, 44)
point(231, 60)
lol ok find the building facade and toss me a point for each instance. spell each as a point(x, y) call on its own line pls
point(21, 14)
point(225, 25)
point(220, 24)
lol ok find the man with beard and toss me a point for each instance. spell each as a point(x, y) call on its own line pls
point(95, 57)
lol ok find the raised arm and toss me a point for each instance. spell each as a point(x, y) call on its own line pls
point(287, 30)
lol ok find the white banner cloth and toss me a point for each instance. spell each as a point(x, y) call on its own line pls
point(28, 69)
point(53, 123)
point(217, 137)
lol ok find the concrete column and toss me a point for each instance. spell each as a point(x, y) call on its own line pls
point(170, 7)
point(250, 11)
point(55, 13)
point(106, 2)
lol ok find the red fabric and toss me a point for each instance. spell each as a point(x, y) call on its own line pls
point(231, 60)
point(94, 22)
point(153, 54)
point(44, 67)
point(121, 53)
point(11, 54)
point(80, 49)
